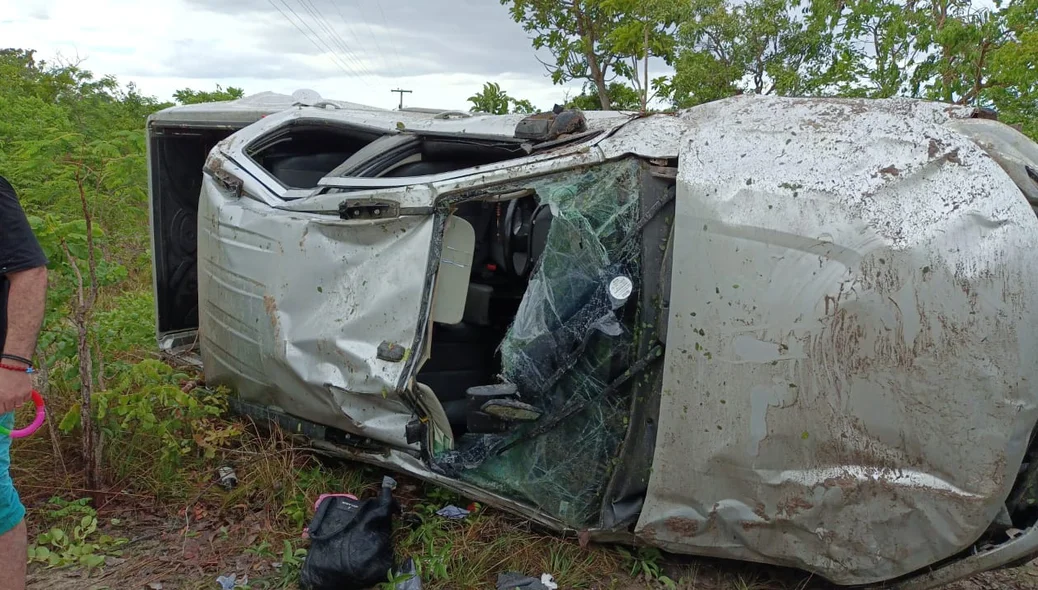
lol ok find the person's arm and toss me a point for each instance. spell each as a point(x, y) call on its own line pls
point(25, 304)
point(26, 297)
point(23, 265)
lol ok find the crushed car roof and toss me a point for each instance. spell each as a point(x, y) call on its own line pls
point(247, 110)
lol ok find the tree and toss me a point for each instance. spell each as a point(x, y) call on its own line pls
point(88, 168)
point(598, 40)
point(1012, 68)
point(523, 106)
point(644, 28)
point(43, 102)
point(495, 101)
point(959, 46)
point(933, 49)
point(758, 46)
point(947, 50)
point(74, 146)
point(621, 97)
point(491, 100)
point(189, 96)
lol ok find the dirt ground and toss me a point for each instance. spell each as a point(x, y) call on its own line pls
point(171, 554)
point(1022, 577)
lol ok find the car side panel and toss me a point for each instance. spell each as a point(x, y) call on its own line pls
point(294, 307)
point(851, 376)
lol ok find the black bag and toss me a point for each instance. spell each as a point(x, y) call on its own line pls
point(351, 544)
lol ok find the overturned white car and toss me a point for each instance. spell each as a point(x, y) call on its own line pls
point(795, 331)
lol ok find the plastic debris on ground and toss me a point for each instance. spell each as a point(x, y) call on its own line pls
point(231, 582)
point(228, 478)
point(407, 576)
point(453, 512)
point(515, 581)
point(567, 343)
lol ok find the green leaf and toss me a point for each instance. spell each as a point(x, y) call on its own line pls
point(70, 420)
point(77, 250)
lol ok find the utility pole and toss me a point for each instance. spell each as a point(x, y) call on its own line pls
point(401, 92)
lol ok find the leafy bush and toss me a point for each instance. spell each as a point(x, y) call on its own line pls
point(645, 563)
point(118, 329)
point(151, 425)
point(75, 539)
point(128, 325)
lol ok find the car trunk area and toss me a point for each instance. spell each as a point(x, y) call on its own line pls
point(177, 155)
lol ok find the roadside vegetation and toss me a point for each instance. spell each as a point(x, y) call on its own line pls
point(122, 485)
point(966, 52)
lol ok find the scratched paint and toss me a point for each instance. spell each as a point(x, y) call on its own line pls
point(762, 398)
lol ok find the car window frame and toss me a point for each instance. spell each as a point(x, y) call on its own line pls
point(243, 153)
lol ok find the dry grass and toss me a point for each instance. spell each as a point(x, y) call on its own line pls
point(187, 544)
point(188, 530)
point(279, 482)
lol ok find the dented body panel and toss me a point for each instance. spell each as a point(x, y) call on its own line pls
point(847, 308)
point(286, 326)
point(851, 379)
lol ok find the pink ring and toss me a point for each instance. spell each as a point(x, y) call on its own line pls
point(41, 414)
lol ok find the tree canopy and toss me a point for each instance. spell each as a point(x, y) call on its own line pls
point(495, 101)
point(621, 98)
point(189, 96)
point(956, 51)
point(598, 41)
point(64, 129)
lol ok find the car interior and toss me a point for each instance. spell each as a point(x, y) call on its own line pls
point(300, 154)
point(510, 238)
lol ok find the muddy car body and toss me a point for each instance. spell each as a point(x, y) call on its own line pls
point(792, 331)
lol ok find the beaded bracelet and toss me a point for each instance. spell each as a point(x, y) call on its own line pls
point(16, 358)
point(28, 369)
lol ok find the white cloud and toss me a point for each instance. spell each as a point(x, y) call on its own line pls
point(440, 50)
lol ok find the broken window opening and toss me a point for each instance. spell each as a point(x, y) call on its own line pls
point(509, 236)
point(300, 154)
point(408, 155)
point(565, 341)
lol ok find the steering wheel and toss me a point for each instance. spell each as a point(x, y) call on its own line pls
point(516, 243)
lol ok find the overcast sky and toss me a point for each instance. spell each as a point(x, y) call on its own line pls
point(354, 50)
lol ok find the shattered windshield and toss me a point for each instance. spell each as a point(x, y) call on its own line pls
point(570, 351)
